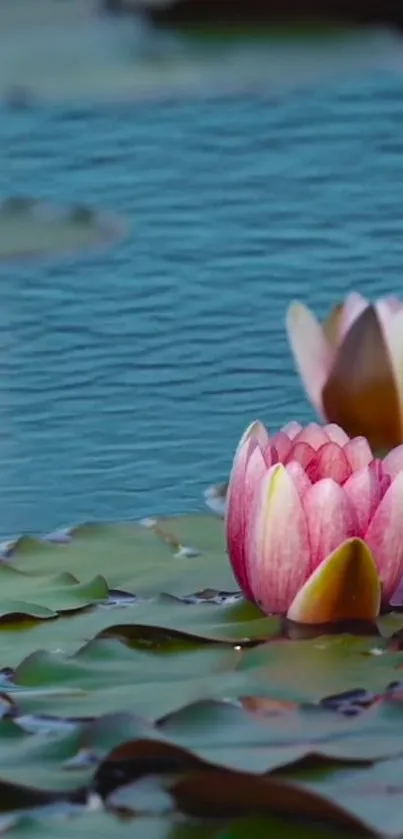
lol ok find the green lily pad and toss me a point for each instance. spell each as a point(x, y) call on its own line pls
point(44, 596)
point(307, 671)
point(103, 825)
point(148, 625)
point(41, 578)
point(60, 758)
point(372, 794)
point(30, 228)
point(142, 560)
point(262, 828)
point(107, 676)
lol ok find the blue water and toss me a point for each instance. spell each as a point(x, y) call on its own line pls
point(127, 377)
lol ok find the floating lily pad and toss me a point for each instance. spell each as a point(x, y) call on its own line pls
point(100, 824)
point(65, 50)
point(63, 758)
point(142, 560)
point(149, 625)
point(31, 228)
point(105, 676)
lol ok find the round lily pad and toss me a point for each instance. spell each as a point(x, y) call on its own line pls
point(31, 228)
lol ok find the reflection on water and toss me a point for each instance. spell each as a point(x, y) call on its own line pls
point(126, 378)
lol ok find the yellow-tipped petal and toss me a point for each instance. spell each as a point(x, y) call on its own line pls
point(346, 586)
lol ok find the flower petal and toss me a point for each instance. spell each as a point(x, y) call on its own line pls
point(312, 353)
point(256, 430)
point(314, 434)
point(248, 468)
point(385, 537)
point(360, 393)
point(393, 335)
point(393, 462)
point(329, 462)
point(353, 306)
point(358, 453)
point(387, 308)
point(292, 429)
point(331, 519)
point(384, 480)
point(364, 492)
point(282, 443)
point(299, 477)
point(302, 453)
point(345, 586)
point(331, 325)
point(277, 542)
point(336, 434)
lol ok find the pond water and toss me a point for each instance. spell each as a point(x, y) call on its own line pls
point(126, 377)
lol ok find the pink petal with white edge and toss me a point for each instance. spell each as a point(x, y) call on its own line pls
point(392, 303)
point(240, 488)
point(358, 453)
point(312, 352)
point(344, 587)
point(386, 308)
point(393, 335)
point(354, 305)
point(365, 493)
point(277, 542)
point(385, 538)
point(331, 519)
point(329, 462)
point(314, 434)
point(256, 430)
point(336, 434)
point(292, 429)
point(393, 462)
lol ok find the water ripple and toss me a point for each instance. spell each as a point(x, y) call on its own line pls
point(127, 377)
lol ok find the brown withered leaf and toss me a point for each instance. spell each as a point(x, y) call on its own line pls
point(139, 758)
point(228, 793)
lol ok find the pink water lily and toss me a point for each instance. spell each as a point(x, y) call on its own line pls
point(314, 523)
point(352, 365)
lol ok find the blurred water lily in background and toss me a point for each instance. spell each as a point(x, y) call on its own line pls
point(352, 365)
point(314, 523)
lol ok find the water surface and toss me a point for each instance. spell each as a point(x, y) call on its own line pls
point(127, 377)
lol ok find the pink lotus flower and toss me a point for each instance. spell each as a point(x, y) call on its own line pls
point(352, 366)
point(314, 523)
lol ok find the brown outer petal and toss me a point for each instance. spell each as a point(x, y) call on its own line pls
point(361, 394)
